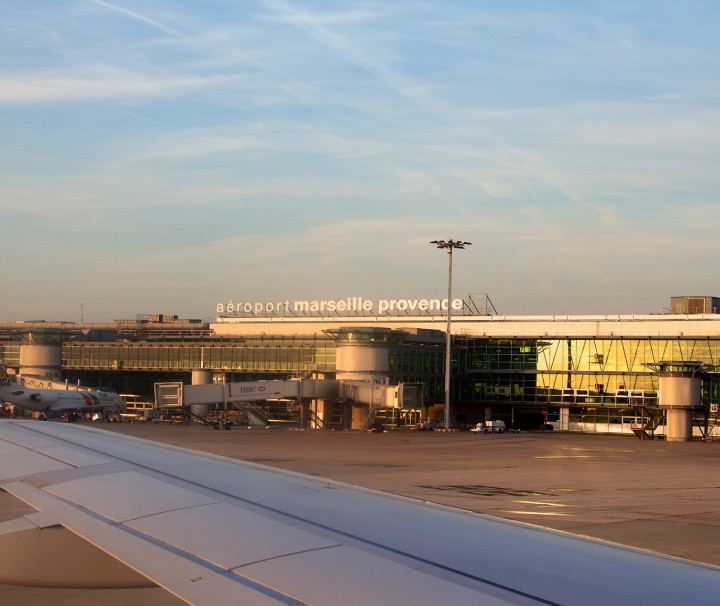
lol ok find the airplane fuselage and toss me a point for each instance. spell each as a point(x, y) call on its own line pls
point(53, 400)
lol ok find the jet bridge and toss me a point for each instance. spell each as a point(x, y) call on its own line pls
point(177, 394)
point(368, 395)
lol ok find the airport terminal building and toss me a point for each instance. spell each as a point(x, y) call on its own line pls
point(609, 374)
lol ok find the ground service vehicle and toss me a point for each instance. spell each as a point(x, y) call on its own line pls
point(489, 427)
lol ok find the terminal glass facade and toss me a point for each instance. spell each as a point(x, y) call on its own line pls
point(612, 371)
point(496, 371)
point(609, 371)
point(283, 357)
point(418, 364)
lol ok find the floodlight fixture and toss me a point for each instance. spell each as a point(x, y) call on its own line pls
point(450, 244)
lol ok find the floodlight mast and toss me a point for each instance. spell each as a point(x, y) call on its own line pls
point(448, 245)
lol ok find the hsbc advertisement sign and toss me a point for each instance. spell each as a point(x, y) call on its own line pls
point(256, 391)
point(239, 392)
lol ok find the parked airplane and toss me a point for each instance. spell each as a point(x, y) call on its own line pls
point(106, 510)
point(55, 400)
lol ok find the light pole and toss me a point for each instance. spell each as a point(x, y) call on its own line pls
point(448, 245)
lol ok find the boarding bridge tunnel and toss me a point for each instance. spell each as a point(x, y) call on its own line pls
point(361, 399)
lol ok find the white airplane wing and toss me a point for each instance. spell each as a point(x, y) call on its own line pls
point(108, 510)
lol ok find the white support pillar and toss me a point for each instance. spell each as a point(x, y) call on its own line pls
point(360, 414)
point(679, 394)
point(200, 377)
point(679, 425)
point(564, 419)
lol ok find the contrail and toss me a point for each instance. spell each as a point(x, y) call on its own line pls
point(125, 11)
point(394, 80)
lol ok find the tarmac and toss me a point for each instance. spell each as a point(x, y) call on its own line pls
point(655, 495)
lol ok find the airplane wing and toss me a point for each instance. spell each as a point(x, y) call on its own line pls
point(109, 510)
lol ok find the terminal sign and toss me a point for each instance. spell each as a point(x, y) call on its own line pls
point(351, 304)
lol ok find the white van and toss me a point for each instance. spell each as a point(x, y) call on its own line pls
point(489, 427)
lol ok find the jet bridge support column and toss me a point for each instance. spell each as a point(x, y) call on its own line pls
point(363, 357)
point(347, 417)
point(200, 377)
point(360, 414)
point(324, 412)
point(679, 393)
point(41, 360)
point(304, 413)
point(362, 363)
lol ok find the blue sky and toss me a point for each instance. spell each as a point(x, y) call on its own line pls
point(164, 156)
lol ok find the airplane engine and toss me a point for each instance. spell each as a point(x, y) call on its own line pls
point(44, 398)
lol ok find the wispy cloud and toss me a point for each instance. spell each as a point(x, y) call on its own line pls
point(570, 144)
point(322, 28)
point(105, 84)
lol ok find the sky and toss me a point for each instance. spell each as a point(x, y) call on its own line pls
point(163, 156)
